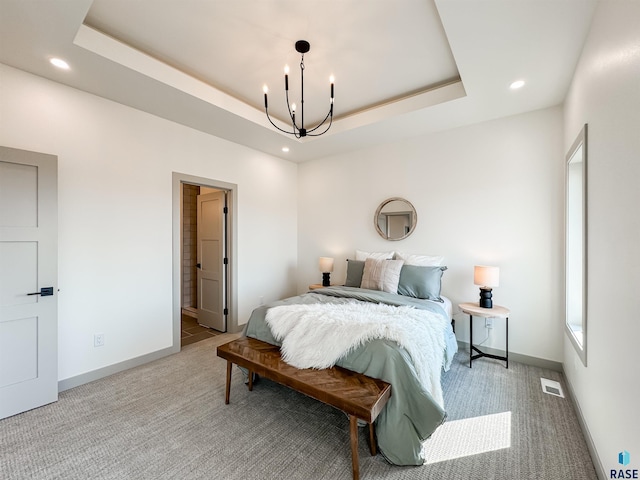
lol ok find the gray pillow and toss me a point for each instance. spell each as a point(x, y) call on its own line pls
point(354, 273)
point(421, 282)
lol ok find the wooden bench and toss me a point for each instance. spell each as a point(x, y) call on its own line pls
point(359, 396)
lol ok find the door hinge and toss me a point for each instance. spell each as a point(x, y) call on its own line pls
point(226, 311)
point(225, 261)
point(225, 210)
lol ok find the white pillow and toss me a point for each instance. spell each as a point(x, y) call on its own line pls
point(421, 260)
point(381, 275)
point(362, 256)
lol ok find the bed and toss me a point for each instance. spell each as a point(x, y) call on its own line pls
point(402, 339)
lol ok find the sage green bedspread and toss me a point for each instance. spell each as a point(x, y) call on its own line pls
point(411, 415)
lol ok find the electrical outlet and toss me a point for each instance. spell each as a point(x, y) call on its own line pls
point(488, 322)
point(98, 340)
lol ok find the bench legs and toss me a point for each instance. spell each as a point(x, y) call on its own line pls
point(353, 425)
point(228, 387)
point(372, 441)
point(227, 390)
point(353, 431)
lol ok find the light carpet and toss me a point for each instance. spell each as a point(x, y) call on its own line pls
point(168, 420)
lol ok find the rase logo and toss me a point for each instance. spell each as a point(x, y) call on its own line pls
point(624, 458)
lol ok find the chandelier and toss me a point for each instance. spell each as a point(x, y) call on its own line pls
point(302, 47)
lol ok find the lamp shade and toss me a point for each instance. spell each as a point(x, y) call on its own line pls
point(486, 276)
point(326, 264)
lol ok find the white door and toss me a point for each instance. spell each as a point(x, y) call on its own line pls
point(28, 280)
point(211, 261)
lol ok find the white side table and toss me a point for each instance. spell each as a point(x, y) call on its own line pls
point(472, 309)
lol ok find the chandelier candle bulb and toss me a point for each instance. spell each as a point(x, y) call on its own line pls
point(286, 77)
point(265, 89)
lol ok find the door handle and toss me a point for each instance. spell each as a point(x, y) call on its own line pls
point(44, 291)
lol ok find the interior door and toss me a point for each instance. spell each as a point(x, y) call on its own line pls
point(211, 258)
point(28, 280)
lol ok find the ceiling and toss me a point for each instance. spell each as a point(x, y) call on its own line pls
point(402, 68)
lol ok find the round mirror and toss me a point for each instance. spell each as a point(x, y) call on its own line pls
point(395, 219)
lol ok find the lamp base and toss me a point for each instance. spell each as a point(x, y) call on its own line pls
point(325, 279)
point(485, 298)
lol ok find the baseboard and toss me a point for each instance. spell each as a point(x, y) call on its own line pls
point(83, 378)
point(190, 311)
point(518, 357)
point(597, 464)
point(238, 329)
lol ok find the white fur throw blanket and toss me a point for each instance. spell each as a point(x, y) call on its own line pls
point(318, 335)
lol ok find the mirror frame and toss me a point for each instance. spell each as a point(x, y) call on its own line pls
point(414, 219)
point(571, 282)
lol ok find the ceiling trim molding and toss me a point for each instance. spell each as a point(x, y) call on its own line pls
point(116, 51)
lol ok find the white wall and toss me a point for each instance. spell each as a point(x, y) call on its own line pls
point(490, 194)
point(115, 215)
point(605, 94)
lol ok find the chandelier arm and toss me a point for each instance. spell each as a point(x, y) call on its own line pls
point(271, 121)
point(322, 123)
point(324, 131)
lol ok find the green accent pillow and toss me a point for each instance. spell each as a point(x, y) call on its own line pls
point(421, 282)
point(355, 268)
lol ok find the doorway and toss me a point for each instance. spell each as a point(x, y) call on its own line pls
point(28, 280)
point(204, 263)
point(204, 226)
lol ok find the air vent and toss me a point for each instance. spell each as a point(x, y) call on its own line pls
point(551, 387)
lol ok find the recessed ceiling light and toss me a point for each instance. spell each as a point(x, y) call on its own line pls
point(517, 84)
point(285, 149)
point(58, 62)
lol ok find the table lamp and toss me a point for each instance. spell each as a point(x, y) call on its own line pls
point(486, 277)
point(326, 266)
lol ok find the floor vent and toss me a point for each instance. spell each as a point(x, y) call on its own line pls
point(551, 387)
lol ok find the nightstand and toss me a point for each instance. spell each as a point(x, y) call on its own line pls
point(315, 286)
point(472, 309)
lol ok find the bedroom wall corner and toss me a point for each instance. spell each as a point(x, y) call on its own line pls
point(490, 193)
